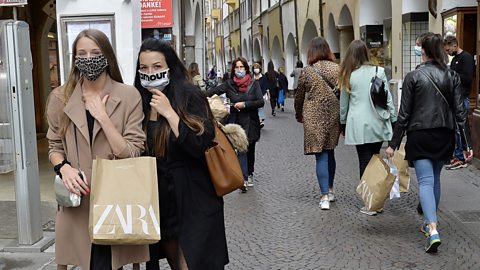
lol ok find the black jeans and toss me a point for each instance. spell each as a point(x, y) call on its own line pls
point(273, 98)
point(251, 158)
point(101, 257)
point(365, 153)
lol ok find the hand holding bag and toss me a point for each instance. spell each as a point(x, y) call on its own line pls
point(223, 164)
point(64, 197)
point(124, 203)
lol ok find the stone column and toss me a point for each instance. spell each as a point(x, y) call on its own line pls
point(346, 37)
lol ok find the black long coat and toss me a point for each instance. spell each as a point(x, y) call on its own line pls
point(199, 211)
point(247, 118)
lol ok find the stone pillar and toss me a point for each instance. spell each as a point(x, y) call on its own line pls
point(346, 37)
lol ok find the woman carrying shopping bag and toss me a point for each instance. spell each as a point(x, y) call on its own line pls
point(180, 127)
point(431, 108)
point(364, 124)
point(316, 106)
point(245, 94)
point(100, 116)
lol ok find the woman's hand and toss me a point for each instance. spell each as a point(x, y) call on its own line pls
point(389, 152)
point(239, 105)
point(95, 105)
point(468, 155)
point(161, 104)
point(73, 181)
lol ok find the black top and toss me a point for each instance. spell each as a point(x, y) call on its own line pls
point(283, 82)
point(90, 123)
point(434, 144)
point(464, 65)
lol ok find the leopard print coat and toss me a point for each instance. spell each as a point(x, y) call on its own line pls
point(318, 106)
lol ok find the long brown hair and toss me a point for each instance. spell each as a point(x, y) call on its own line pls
point(193, 70)
point(319, 50)
point(355, 57)
point(178, 90)
point(74, 76)
point(234, 64)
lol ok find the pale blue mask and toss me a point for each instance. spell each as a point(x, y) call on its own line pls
point(240, 73)
point(418, 50)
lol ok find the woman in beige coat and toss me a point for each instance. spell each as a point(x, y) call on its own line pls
point(317, 107)
point(100, 116)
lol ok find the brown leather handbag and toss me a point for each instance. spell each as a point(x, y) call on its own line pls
point(223, 164)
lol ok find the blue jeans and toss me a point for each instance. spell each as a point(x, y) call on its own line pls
point(458, 153)
point(325, 169)
point(428, 176)
point(261, 114)
point(242, 157)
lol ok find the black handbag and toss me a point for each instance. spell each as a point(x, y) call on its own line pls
point(378, 94)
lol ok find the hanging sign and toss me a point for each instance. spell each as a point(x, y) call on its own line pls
point(156, 13)
point(13, 2)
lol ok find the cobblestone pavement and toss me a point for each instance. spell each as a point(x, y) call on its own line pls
point(278, 224)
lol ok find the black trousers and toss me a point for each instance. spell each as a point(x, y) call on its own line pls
point(273, 98)
point(101, 257)
point(251, 158)
point(365, 153)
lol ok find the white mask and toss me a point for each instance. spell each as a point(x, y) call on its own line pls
point(256, 70)
point(157, 80)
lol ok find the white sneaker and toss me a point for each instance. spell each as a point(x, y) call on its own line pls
point(331, 196)
point(250, 181)
point(324, 204)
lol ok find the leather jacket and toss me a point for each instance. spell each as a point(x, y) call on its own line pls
point(423, 107)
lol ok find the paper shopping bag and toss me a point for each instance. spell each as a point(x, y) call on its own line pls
point(402, 168)
point(217, 107)
point(124, 203)
point(376, 184)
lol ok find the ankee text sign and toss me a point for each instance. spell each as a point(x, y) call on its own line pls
point(13, 2)
point(156, 13)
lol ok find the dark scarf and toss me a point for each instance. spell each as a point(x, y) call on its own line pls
point(243, 83)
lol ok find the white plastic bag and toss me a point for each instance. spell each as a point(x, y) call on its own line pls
point(395, 192)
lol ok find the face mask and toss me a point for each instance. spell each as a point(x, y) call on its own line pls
point(91, 67)
point(157, 80)
point(240, 73)
point(256, 70)
point(418, 50)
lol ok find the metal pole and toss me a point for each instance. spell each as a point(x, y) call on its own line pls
point(14, 13)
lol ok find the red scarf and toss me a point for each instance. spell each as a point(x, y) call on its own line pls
point(243, 83)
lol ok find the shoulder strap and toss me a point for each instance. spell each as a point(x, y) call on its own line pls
point(76, 145)
point(323, 78)
point(435, 85)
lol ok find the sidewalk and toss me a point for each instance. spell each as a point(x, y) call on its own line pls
point(460, 203)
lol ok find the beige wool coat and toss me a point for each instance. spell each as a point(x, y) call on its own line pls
point(124, 108)
point(318, 106)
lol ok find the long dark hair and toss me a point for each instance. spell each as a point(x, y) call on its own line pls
point(176, 91)
point(356, 56)
point(432, 45)
point(271, 74)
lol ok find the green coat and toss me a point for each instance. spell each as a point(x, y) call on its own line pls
point(363, 123)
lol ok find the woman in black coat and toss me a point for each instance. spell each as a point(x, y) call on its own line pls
point(273, 85)
point(180, 128)
point(246, 96)
point(283, 83)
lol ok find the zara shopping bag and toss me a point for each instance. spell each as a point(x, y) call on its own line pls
point(124, 203)
point(376, 184)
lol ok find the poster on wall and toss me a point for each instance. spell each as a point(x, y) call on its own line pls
point(156, 13)
point(13, 2)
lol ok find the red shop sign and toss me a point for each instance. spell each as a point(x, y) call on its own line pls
point(156, 13)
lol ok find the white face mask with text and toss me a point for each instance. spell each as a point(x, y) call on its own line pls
point(157, 80)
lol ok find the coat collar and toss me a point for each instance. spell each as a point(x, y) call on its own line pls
point(75, 107)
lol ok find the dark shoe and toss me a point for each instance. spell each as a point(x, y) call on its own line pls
point(425, 230)
point(244, 188)
point(433, 243)
point(283, 109)
point(262, 124)
point(419, 209)
point(273, 113)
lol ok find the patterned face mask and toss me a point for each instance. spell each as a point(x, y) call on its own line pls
point(91, 67)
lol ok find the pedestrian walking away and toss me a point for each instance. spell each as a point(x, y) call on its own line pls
point(246, 96)
point(180, 127)
point(464, 64)
point(283, 83)
point(100, 116)
point(296, 74)
point(364, 124)
point(432, 102)
point(257, 74)
point(273, 86)
point(195, 76)
point(317, 107)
